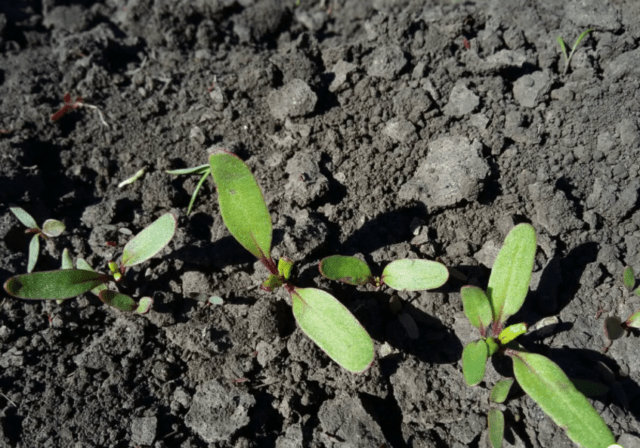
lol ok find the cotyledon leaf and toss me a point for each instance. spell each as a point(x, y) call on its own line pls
point(333, 328)
point(501, 390)
point(150, 241)
point(496, 427)
point(474, 361)
point(634, 320)
point(548, 386)
point(34, 251)
point(511, 273)
point(24, 217)
point(414, 275)
point(121, 301)
point(242, 205)
point(476, 307)
point(61, 284)
point(351, 270)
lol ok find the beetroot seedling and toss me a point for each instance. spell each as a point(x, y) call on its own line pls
point(50, 228)
point(67, 282)
point(563, 47)
point(68, 106)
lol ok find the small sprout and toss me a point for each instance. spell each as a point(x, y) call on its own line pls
point(349, 270)
point(409, 325)
point(567, 59)
point(132, 179)
point(284, 268)
point(474, 362)
point(203, 171)
point(150, 241)
point(50, 228)
point(496, 427)
point(628, 278)
point(68, 105)
point(113, 267)
point(613, 328)
point(511, 332)
point(501, 390)
point(144, 305)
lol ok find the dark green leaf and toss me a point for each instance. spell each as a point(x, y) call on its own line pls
point(62, 284)
point(474, 362)
point(121, 301)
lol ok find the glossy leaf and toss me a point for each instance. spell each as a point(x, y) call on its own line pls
point(511, 332)
point(121, 301)
point(34, 251)
point(548, 386)
point(511, 273)
point(242, 205)
point(351, 270)
point(634, 320)
point(613, 328)
point(67, 262)
point(144, 305)
point(53, 228)
point(501, 390)
point(496, 427)
point(24, 217)
point(333, 328)
point(284, 268)
point(414, 275)
point(628, 278)
point(150, 241)
point(201, 169)
point(476, 307)
point(81, 263)
point(62, 284)
point(474, 361)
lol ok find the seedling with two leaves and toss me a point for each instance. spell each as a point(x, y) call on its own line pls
point(614, 327)
point(539, 377)
point(50, 228)
point(567, 58)
point(68, 282)
point(202, 170)
point(325, 320)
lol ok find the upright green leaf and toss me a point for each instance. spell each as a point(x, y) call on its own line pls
point(476, 307)
point(62, 284)
point(285, 266)
point(496, 427)
point(351, 270)
point(511, 272)
point(53, 227)
point(501, 390)
point(333, 328)
point(628, 278)
point(201, 169)
point(81, 263)
point(24, 217)
point(474, 361)
point(121, 301)
point(150, 241)
point(563, 47)
point(548, 386)
point(242, 206)
point(414, 275)
point(195, 192)
point(634, 320)
point(34, 251)
point(67, 262)
point(579, 39)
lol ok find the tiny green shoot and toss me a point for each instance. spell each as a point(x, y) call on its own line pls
point(567, 58)
point(50, 228)
point(202, 170)
point(132, 179)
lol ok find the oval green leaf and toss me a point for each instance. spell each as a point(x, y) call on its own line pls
point(121, 301)
point(81, 263)
point(548, 386)
point(62, 284)
point(496, 427)
point(474, 362)
point(34, 251)
point(150, 241)
point(144, 305)
point(242, 205)
point(511, 273)
point(351, 270)
point(414, 275)
point(501, 390)
point(476, 307)
point(24, 217)
point(333, 328)
point(628, 278)
point(67, 262)
point(53, 228)
point(634, 320)
point(511, 332)
point(613, 328)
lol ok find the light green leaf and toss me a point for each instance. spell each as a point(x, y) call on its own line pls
point(634, 320)
point(501, 390)
point(195, 192)
point(215, 300)
point(201, 169)
point(121, 301)
point(492, 345)
point(414, 275)
point(579, 39)
point(67, 262)
point(474, 361)
point(351, 270)
point(242, 206)
point(150, 241)
point(53, 227)
point(24, 217)
point(548, 386)
point(613, 328)
point(563, 47)
point(144, 305)
point(476, 307)
point(333, 328)
point(62, 284)
point(628, 278)
point(272, 282)
point(511, 332)
point(81, 263)
point(511, 273)
point(284, 267)
point(496, 427)
point(34, 251)
point(132, 179)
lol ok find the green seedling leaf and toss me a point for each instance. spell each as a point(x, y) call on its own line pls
point(628, 278)
point(634, 320)
point(492, 345)
point(579, 39)
point(62, 284)
point(121, 301)
point(67, 262)
point(272, 282)
point(496, 427)
point(284, 268)
point(34, 251)
point(476, 307)
point(415, 275)
point(409, 325)
point(215, 300)
point(501, 390)
point(511, 273)
point(150, 241)
point(548, 386)
point(132, 179)
point(81, 263)
point(53, 227)
point(24, 217)
point(201, 169)
point(195, 192)
point(333, 328)
point(345, 269)
point(613, 328)
point(589, 388)
point(242, 206)
point(474, 362)
point(511, 332)
point(563, 47)
point(144, 305)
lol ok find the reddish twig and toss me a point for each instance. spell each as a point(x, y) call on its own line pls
point(466, 43)
point(68, 105)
